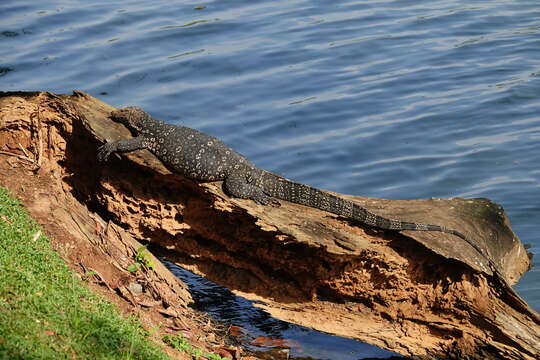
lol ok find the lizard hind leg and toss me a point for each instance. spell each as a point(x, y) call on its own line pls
point(240, 187)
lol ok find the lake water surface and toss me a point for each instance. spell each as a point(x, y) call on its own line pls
point(394, 99)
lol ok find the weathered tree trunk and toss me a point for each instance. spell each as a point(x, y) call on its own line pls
point(422, 294)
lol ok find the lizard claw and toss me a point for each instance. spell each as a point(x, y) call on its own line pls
point(104, 151)
point(267, 200)
point(274, 202)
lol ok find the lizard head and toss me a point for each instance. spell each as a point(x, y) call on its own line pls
point(134, 118)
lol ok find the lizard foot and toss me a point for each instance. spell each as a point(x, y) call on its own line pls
point(105, 150)
point(264, 199)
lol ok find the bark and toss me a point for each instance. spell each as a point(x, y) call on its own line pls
point(421, 294)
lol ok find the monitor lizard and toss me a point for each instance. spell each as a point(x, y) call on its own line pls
point(206, 158)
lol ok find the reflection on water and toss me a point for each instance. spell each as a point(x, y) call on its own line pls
point(258, 331)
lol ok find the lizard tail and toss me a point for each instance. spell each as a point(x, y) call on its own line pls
point(284, 189)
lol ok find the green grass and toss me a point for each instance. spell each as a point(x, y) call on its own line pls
point(46, 312)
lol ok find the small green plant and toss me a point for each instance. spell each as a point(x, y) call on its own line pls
point(180, 343)
point(215, 357)
point(142, 259)
point(87, 275)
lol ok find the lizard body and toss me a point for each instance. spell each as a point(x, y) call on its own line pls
point(206, 158)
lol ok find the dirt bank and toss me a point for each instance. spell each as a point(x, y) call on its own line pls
point(422, 294)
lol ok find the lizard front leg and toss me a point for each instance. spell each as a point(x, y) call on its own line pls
point(122, 146)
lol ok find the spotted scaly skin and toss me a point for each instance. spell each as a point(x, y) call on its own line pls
point(205, 158)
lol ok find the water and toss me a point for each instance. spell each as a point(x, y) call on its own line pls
point(393, 99)
point(254, 322)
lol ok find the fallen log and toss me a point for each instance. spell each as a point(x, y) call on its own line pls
point(421, 294)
